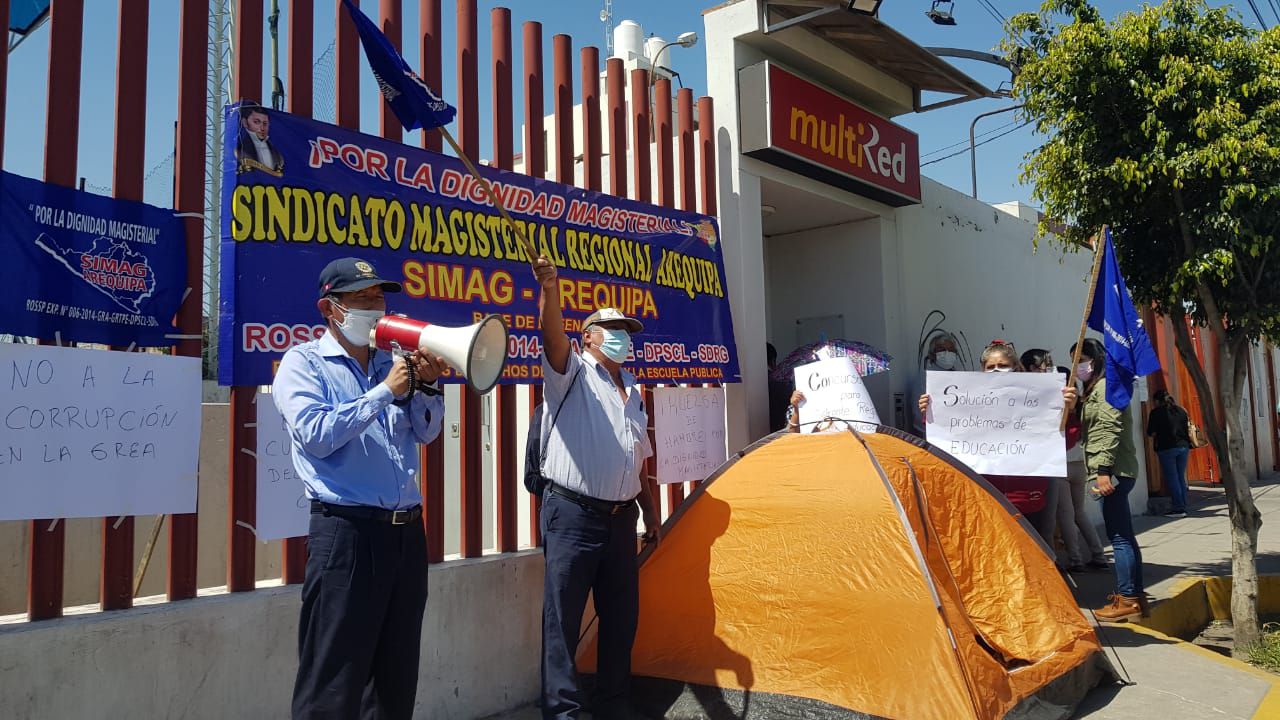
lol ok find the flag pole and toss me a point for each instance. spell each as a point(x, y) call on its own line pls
point(528, 246)
point(1099, 247)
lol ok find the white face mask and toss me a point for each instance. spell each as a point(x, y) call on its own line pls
point(356, 325)
point(1000, 370)
point(616, 344)
point(1084, 372)
point(946, 360)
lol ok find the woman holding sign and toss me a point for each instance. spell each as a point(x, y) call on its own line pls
point(1112, 464)
point(1034, 497)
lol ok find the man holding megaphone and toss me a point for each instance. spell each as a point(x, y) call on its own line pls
point(356, 416)
point(595, 442)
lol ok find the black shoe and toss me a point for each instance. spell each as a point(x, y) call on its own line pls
point(1098, 565)
point(1175, 514)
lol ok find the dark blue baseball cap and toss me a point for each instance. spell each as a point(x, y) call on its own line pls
point(350, 275)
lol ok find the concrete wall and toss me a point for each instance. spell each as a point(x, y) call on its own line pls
point(235, 656)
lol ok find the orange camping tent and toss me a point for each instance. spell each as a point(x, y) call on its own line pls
point(845, 575)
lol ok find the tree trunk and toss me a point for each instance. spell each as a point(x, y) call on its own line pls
point(1228, 445)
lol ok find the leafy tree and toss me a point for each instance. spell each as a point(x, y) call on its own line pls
point(1165, 124)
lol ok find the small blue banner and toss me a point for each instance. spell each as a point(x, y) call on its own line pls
point(86, 267)
point(298, 194)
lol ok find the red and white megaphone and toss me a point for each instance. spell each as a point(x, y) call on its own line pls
point(477, 351)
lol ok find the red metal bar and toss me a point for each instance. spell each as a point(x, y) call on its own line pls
point(707, 164)
point(429, 30)
point(688, 171)
point(472, 462)
point(663, 139)
point(62, 128)
point(301, 102)
point(189, 159)
point(115, 587)
point(562, 100)
point(244, 435)
point(535, 164)
point(505, 396)
point(392, 19)
point(346, 70)
point(432, 456)
point(591, 118)
point(615, 86)
point(640, 135)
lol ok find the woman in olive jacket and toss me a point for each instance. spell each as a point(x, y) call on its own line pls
point(1112, 464)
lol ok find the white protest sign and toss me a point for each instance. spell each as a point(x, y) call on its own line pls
point(833, 389)
point(93, 433)
point(283, 509)
point(688, 432)
point(999, 423)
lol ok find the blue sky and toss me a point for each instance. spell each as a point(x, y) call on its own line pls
point(939, 130)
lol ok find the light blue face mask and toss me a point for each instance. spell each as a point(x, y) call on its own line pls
point(616, 345)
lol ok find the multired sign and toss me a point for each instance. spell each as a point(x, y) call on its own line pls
point(805, 125)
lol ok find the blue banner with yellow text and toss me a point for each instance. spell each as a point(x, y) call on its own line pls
point(299, 193)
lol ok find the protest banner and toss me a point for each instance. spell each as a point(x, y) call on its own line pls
point(88, 268)
point(310, 192)
point(833, 389)
point(999, 423)
point(93, 433)
point(283, 509)
point(688, 431)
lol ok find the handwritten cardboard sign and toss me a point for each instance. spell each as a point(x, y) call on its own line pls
point(833, 389)
point(999, 423)
point(283, 509)
point(689, 432)
point(92, 433)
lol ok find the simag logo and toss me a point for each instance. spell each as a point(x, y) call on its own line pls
point(277, 337)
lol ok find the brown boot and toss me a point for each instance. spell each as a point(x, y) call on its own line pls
point(1122, 608)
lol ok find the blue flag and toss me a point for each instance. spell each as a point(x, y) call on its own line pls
point(415, 104)
point(1129, 351)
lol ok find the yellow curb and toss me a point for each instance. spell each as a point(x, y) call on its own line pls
point(1268, 708)
point(1195, 602)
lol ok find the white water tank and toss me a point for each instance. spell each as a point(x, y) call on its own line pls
point(628, 40)
point(652, 47)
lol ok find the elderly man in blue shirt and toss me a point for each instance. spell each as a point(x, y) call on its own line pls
point(356, 421)
point(593, 459)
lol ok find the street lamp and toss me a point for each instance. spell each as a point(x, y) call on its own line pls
point(685, 40)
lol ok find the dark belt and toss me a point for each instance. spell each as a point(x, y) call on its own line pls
point(604, 507)
point(363, 512)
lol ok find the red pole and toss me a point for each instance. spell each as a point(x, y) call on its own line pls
point(615, 87)
point(505, 395)
point(707, 139)
point(688, 171)
point(432, 456)
point(244, 435)
point(62, 128)
point(346, 70)
point(535, 164)
point(591, 118)
point(471, 465)
point(300, 94)
point(562, 100)
point(640, 141)
point(115, 588)
point(392, 12)
point(189, 162)
point(666, 198)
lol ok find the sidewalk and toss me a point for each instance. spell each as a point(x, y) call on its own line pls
point(1174, 680)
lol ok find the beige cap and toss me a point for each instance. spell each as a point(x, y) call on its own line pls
point(609, 314)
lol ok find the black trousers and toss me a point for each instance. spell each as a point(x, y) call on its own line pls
point(587, 551)
point(361, 627)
